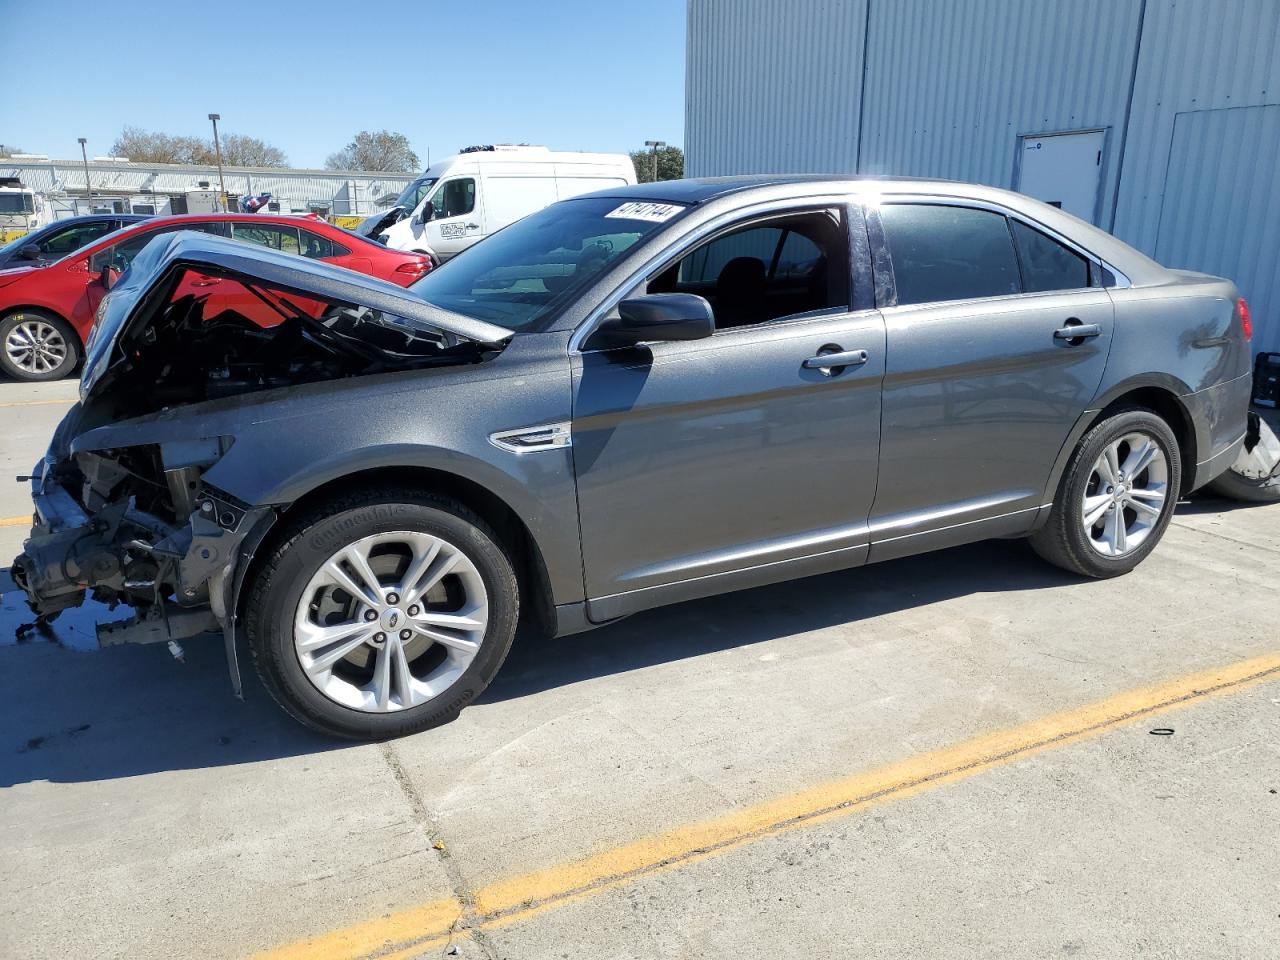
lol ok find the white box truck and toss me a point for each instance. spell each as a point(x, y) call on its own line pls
point(464, 198)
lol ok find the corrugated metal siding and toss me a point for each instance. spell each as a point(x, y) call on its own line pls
point(296, 187)
point(1197, 56)
point(951, 86)
point(773, 87)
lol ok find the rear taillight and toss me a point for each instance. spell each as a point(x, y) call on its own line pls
point(418, 268)
point(1246, 321)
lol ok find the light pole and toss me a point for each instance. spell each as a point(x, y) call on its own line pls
point(655, 144)
point(88, 187)
point(217, 149)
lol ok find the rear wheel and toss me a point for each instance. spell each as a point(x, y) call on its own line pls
point(1116, 497)
point(382, 614)
point(37, 346)
point(1255, 476)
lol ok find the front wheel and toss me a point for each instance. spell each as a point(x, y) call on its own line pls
point(1116, 497)
point(382, 614)
point(37, 346)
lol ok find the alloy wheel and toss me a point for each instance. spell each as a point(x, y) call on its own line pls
point(36, 346)
point(1125, 495)
point(391, 621)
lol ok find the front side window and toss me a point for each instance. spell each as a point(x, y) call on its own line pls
point(71, 239)
point(272, 235)
point(768, 270)
point(454, 198)
point(521, 275)
point(949, 253)
point(120, 255)
point(1047, 264)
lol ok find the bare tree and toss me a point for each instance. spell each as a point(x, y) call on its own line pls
point(8, 150)
point(238, 150)
point(382, 150)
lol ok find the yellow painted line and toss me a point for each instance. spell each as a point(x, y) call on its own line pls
point(411, 932)
point(36, 403)
point(23, 521)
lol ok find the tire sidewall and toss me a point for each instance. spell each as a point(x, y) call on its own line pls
point(271, 623)
point(68, 334)
point(1072, 492)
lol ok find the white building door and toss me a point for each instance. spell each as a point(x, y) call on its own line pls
point(1064, 169)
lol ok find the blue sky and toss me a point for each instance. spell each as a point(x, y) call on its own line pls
point(571, 74)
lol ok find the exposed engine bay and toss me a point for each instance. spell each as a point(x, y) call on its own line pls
point(136, 523)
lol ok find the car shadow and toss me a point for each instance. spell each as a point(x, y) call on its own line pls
point(68, 715)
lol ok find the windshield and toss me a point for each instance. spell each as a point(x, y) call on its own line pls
point(519, 276)
point(414, 192)
point(16, 203)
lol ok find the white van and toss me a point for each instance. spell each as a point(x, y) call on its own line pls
point(464, 198)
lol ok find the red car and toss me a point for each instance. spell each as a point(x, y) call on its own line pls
point(46, 311)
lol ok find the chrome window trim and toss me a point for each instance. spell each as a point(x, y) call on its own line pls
point(946, 200)
point(698, 235)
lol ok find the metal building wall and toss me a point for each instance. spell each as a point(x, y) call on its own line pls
point(1200, 187)
point(292, 187)
point(1191, 170)
point(950, 86)
point(773, 87)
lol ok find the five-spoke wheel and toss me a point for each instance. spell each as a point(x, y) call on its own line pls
point(37, 346)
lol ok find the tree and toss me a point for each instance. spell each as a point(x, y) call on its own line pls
point(670, 164)
point(238, 150)
point(8, 150)
point(381, 151)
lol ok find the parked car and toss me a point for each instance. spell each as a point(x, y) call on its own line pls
point(61, 238)
point(624, 400)
point(46, 311)
point(464, 198)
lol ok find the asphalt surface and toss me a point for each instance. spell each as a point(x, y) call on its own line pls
point(944, 756)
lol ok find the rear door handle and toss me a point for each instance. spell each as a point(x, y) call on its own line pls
point(1075, 330)
point(835, 360)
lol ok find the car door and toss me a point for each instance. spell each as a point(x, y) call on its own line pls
point(984, 381)
point(719, 462)
point(455, 218)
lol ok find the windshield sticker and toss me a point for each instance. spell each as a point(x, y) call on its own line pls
point(654, 212)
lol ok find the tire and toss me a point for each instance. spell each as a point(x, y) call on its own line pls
point(1257, 488)
point(1102, 550)
point(56, 346)
point(393, 529)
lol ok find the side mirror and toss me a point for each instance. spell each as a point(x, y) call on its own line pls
point(29, 251)
point(108, 277)
point(657, 317)
point(428, 212)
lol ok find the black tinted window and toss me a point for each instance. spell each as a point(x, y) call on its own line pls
point(1047, 264)
point(319, 248)
point(765, 271)
point(949, 253)
point(73, 238)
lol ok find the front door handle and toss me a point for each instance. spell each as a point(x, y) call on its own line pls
point(473, 226)
point(1076, 333)
point(831, 360)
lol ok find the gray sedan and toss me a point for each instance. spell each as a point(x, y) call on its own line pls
point(627, 399)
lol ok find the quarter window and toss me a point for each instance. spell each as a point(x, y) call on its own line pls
point(320, 248)
point(1047, 264)
point(949, 253)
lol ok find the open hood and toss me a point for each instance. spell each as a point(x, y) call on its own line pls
point(142, 294)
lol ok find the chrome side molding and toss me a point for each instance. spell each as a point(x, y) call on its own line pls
point(547, 436)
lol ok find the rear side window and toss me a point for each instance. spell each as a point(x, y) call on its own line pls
point(320, 248)
point(949, 253)
point(1047, 264)
point(272, 235)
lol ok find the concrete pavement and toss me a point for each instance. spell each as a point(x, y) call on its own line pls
point(146, 813)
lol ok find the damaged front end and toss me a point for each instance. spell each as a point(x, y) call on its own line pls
point(138, 527)
point(124, 512)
